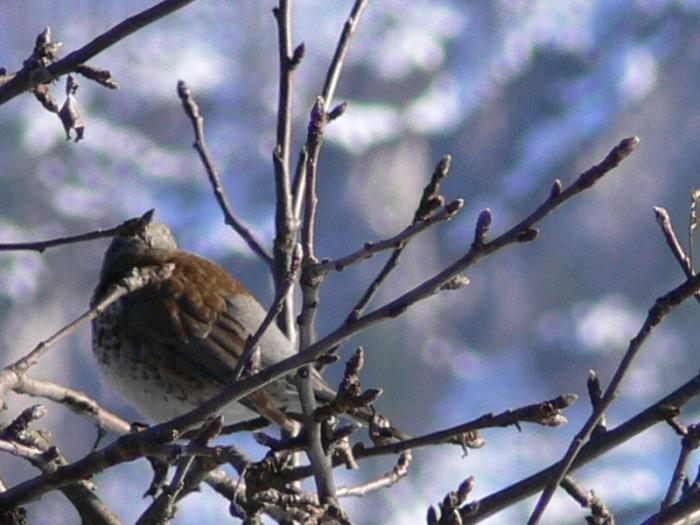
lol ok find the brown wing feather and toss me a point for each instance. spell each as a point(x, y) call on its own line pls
point(192, 316)
point(188, 314)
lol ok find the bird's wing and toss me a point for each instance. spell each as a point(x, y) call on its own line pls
point(203, 317)
point(188, 314)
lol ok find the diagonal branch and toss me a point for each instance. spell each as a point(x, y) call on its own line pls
point(662, 410)
point(21, 81)
point(200, 145)
point(547, 413)
point(138, 278)
point(662, 307)
point(400, 470)
point(341, 50)
point(75, 400)
point(429, 200)
point(664, 220)
point(395, 242)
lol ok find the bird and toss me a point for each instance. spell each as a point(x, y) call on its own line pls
point(174, 343)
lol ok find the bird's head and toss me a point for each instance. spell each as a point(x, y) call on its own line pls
point(149, 244)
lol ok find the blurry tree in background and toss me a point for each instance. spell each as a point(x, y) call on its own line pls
point(520, 94)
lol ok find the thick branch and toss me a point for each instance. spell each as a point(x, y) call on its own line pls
point(285, 220)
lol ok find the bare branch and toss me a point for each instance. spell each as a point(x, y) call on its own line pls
point(317, 123)
point(662, 410)
point(547, 413)
point(664, 220)
point(75, 400)
point(320, 462)
point(162, 509)
point(400, 470)
point(686, 510)
point(166, 432)
point(230, 217)
point(126, 228)
point(690, 441)
point(13, 85)
point(600, 514)
point(341, 50)
point(321, 114)
point(430, 200)
point(372, 248)
point(286, 223)
point(19, 439)
point(662, 307)
point(271, 315)
point(137, 279)
point(453, 506)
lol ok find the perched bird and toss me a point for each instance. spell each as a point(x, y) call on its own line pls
point(174, 344)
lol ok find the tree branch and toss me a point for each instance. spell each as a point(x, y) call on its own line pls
point(126, 228)
point(200, 145)
point(22, 80)
point(138, 278)
point(662, 307)
point(285, 221)
point(662, 410)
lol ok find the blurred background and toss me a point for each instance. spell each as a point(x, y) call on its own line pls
point(520, 92)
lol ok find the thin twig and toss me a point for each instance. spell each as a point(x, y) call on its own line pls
point(162, 509)
point(272, 313)
point(600, 514)
point(137, 279)
point(21, 81)
point(692, 225)
point(429, 199)
point(126, 228)
point(547, 413)
point(400, 470)
point(664, 220)
point(20, 450)
point(398, 240)
point(75, 400)
point(192, 111)
point(299, 188)
point(453, 505)
point(19, 439)
point(690, 441)
point(317, 123)
point(662, 307)
point(662, 410)
point(341, 50)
